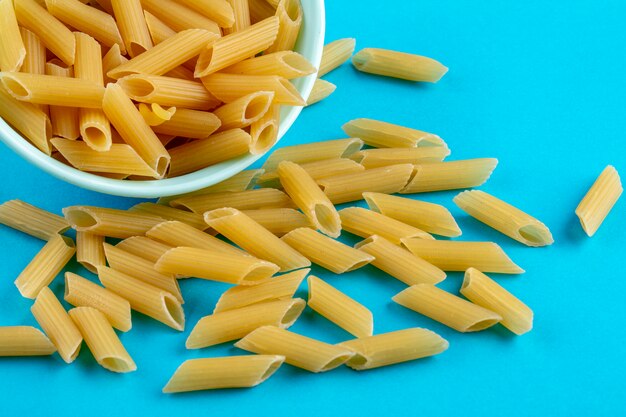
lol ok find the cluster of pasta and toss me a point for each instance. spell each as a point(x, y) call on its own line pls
point(284, 225)
point(180, 86)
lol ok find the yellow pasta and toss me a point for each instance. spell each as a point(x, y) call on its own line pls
point(65, 122)
point(505, 218)
point(599, 200)
point(89, 250)
point(321, 90)
point(24, 341)
point(287, 64)
point(158, 30)
point(387, 135)
point(260, 9)
point(112, 59)
point(374, 158)
point(450, 175)
point(242, 200)
point(399, 263)
point(279, 221)
point(290, 14)
point(144, 247)
point(230, 87)
point(132, 25)
point(301, 351)
point(241, 14)
point(446, 308)
point(170, 213)
point(432, 218)
point(398, 65)
point(264, 132)
point(154, 114)
point(104, 5)
point(458, 256)
point(236, 323)
point(105, 346)
point(57, 324)
point(245, 110)
point(225, 372)
point(220, 11)
point(12, 49)
point(28, 119)
point(317, 170)
point(109, 222)
point(45, 266)
point(394, 347)
point(179, 17)
point(35, 60)
point(189, 124)
point(337, 307)
point(32, 220)
point(482, 290)
point(311, 152)
point(365, 223)
point(336, 53)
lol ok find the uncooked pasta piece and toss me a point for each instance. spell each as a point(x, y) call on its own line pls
point(28, 119)
point(387, 135)
point(32, 220)
point(89, 250)
point(450, 175)
point(289, 13)
point(24, 341)
point(311, 152)
point(170, 213)
point(230, 87)
point(65, 123)
point(179, 17)
point(365, 223)
point(321, 90)
point(242, 200)
point(12, 49)
point(373, 158)
point(287, 64)
point(144, 247)
point(398, 65)
point(279, 221)
point(336, 53)
point(132, 25)
point(599, 200)
point(109, 222)
point(245, 110)
point(316, 169)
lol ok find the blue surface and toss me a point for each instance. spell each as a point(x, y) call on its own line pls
point(539, 85)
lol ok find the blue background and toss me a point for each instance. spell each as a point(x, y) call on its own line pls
point(539, 85)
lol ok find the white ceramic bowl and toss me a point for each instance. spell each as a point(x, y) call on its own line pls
point(310, 44)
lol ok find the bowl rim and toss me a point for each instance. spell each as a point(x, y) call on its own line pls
point(198, 179)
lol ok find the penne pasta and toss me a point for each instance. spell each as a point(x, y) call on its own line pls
point(45, 266)
point(505, 218)
point(158, 30)
point(279, 221)
point(103, 4)
point(245, 110)
point(154, 114)
point(27, 119)
point(142, 246)
point(398, 65)
point(446, 308)
point(170, 213)
point(287, 64)
point(458, 256)
point(109, 222)
point(90, 251)
point(289, 13)
point(365, 223)
point(260, 9)
point(12, 49)
point(599, 200)
point(394, 347)
point(374, 158)
point(399, 263)
point(311, 152)
point(485, 292)
point(242, 200)
point(179, 17)
point(321, 90)
point(189, 124)
point(32, 220)
point(264, 132)
point(132, 25)
point(317, 170)
point(24, 341)
point(65, 122)
point(35, 59)
point(112, 59)
point(337, 307)
point(230, 87)
point(335, 54)
point(450, 175)
point(220, 11)
point(241, 14)
point(387, 135)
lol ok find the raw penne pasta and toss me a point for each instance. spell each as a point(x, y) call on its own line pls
point(337, 307)
point(287, 64)
point(81, 292)
point(112, 59)
point(27, 119)
point(215, 266)
point(350, 187)
point(254, 238)
point(374, 158)
point(398, 65)
point(220, 11)
point(326, 252)
point(260, 9)
point(45, 266)
point(400, 263)
point(485, 292)
point(171, 213)
point(599, 200)
point(450, 175)
point(132, 25)
point(321, 90)
point(89, 251)
point(57, 324)
point(24, 341)
point(237, 46)
point(109, 222)
point(394, 347)
point(65, 121)
point(242, 200)
point(458, 256)
point(181, 72)
point(212, 150)
point(301, 351)
point(103, 4)
point(317, 170)
point(230, 87)
point(432, 218)
point(105, 346)
point(12, 49)
point(308, 196)
point(387, 135)
point(241, 13)
point(446, 308)
point(144, 247)
point(279, 221)
point(35, 60)
point(154, 114)
point(226, 372)
point(504, 217)
point(179, 17)
point(144, 298)
point(365, 223)
point(336, 53)
point(32, 220)
point(54, 34)
point(158, 30)
point(279, 288)
point(311, 152)
point(289, 13)
point(189, 124)
point(236, 323)
point(245, 110)
point(264, 132)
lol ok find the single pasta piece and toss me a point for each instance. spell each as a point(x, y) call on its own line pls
point(279, 288)
point(316, 170)
point(452, 255)
point(599, 200)
point(230, 87)
point(350, 187)
point(112, 59)
point(337, 307)
point(264, 132)
point(64, 120)
point(450, 175)
point(144, 298)
point(311, 152)
point(242, 200)
point(505, 218)
point(237, 323)
point(387, 135)
point(287, 64)
point(12, 49)
point(179, 17)
point(336, 53)
point(394, 347)
point(374, 158)
point(279, 221)
point(28, 119)
point(159, 31)
point(189, 124)
point(301, 351)
point(35, 60)
point(260, 9)
point(57, 324)
point(326, 252)
point(365, 223)
point(154, 114)
point(254, 238)
point(109, 222)
point(220, 11)
point(81, 292)
point(32, 220)
point(432, 218)
point(482, 290)
point(24, 341)
point(321, 90)
point(132, 25)
point(245, 110)
point(226, 372)
point(398, 65)
point(142, 246)
point(241, 12)
point(89, 251)
point(105, 346)
point(45, 266)
point(289, 13)
point(170, 213)
point(104, 5)
point(400, 263)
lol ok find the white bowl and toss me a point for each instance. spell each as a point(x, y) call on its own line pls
point(310, 44)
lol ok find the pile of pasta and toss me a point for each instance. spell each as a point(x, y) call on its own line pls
point(261, 231)
point(145, 89)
